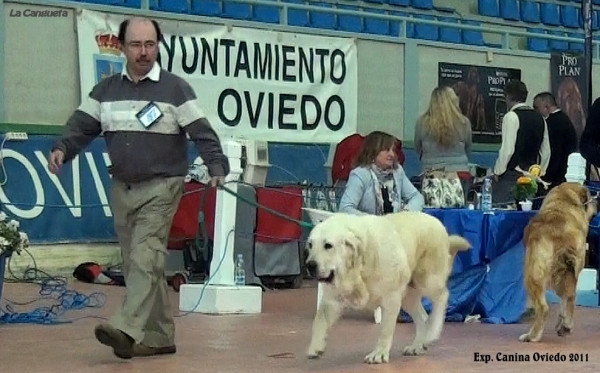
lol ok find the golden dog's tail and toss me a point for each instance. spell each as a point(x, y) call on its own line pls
point(458, 243)
point(563, 270)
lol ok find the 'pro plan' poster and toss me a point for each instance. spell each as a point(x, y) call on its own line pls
point(481, 93)
point(569, 87)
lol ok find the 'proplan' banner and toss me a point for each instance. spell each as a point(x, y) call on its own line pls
point(251, 83)
point(570, 87)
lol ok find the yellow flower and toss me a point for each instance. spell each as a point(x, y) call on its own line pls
point(524, 180)
point(535, 170)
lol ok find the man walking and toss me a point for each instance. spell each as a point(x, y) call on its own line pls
point(144, 113)
point(562, 136)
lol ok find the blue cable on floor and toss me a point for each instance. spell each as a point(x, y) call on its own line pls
point(65, 300)
point(53, 290)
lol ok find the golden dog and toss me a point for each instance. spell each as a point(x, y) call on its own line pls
point(555, 244)
point(390, 261)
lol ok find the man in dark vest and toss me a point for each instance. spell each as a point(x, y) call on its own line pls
point(562, 136)
point(525, 142)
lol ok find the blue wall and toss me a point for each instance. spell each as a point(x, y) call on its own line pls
point(48, 216)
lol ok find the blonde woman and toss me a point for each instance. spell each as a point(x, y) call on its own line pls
point(443, 136)
point(443, 133)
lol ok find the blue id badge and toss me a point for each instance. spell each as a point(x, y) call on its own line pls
point(149, 115)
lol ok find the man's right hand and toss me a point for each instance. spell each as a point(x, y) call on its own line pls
point(55, 161)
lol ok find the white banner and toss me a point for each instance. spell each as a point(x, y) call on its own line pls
point(251, 83)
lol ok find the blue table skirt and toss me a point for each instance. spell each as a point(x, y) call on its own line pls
point(490, 235)
point(488, 279)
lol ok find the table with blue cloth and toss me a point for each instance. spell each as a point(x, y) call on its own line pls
point(487, 280)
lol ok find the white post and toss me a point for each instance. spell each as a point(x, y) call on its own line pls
point(225, 207)
point(576, 165)
point(220, 295)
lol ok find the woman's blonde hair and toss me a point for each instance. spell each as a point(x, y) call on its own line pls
point(372, 145)
point(444, 120)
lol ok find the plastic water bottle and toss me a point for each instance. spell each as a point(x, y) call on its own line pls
point(240, 271)
point(486, 196)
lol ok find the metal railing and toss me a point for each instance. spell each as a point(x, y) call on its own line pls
point(505, 35)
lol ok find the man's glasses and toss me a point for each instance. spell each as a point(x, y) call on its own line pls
point(138, 45)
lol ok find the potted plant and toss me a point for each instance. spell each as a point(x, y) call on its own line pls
point(525, 190)
point(11, 238)
point(527, 187)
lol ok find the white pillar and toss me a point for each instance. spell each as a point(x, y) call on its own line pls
point(220, 295)
point(576, 165)
point(225, 207)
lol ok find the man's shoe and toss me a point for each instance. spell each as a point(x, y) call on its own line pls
point(121, 343)
point(140, 350)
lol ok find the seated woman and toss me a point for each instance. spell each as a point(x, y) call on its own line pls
point(378, 185)
point(443, 136)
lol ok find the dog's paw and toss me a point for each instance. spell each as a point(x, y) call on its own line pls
point(528, 338)
point(559, 323)
point(379, 356)
point(414, 349)
point(563, 330)
point(524, 337)
point(312, 354)
point(315, 350)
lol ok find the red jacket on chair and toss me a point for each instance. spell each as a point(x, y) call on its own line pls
point(346, 153)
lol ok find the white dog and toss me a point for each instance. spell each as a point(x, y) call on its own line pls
point(390, 261)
